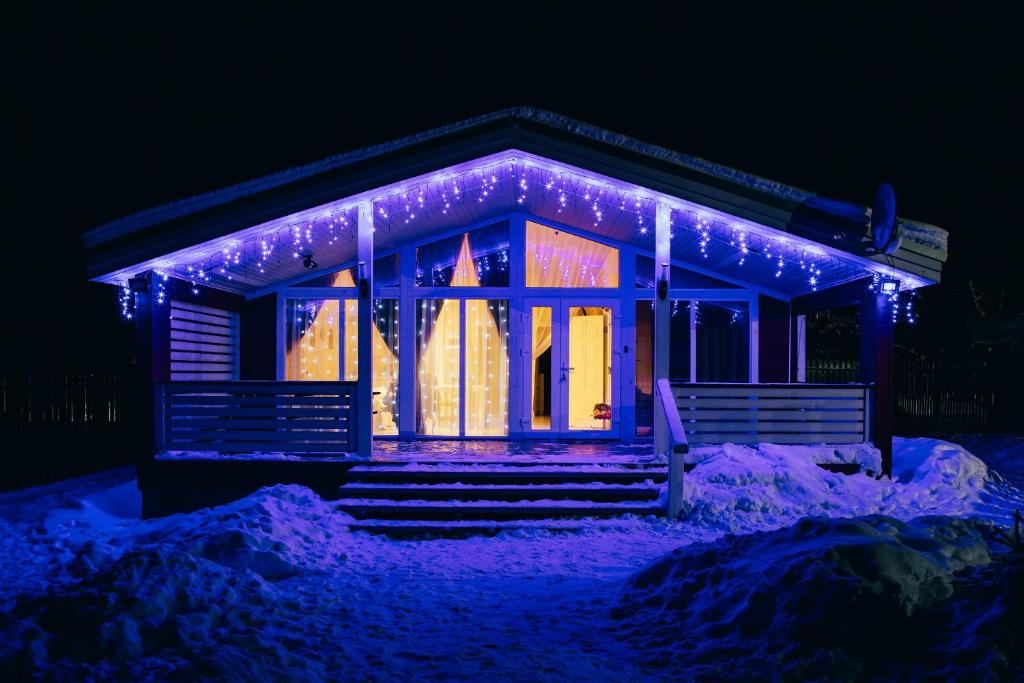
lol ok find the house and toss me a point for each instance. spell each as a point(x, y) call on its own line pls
point(519, 276)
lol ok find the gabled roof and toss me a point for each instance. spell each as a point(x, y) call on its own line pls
point(117, 247)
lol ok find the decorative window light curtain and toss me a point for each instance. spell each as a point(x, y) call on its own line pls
point(439, 385)
point(447, 262)
point(558, 259)
point(385, 367)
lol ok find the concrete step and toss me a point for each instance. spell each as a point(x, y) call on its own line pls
point(402, 529)
point(489, 510)
point(437, 492)
point(522, 475)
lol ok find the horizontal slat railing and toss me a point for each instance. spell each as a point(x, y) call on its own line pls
point(256, 417)
point(774, 413)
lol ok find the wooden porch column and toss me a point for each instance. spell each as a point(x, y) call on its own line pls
point(152, 361)
point(364, 381)
point(407, 343)
point(877, 356)
point(662, 317)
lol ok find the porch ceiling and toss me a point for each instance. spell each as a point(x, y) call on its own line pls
point(475, 192)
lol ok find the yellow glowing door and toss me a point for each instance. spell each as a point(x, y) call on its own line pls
point(590, 368)
point(572, 369)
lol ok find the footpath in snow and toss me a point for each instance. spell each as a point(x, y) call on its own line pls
point(778, 567)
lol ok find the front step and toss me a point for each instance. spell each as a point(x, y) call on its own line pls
point(401, 529)
point(495, 495)
point(439, 492)
point(488, 510)
point(517, 475)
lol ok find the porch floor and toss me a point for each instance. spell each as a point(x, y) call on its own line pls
point(518, 452)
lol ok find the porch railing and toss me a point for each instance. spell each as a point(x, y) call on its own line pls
point(774, 413)
point(256, 417)
point(679, 448)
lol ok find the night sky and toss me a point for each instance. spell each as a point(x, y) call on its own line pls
point(115, 110)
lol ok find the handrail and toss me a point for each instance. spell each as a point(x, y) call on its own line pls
point(680, 447)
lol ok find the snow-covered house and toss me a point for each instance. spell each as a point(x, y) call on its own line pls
point(519, 275)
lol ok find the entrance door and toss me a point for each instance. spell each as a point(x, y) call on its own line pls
point(572, 372)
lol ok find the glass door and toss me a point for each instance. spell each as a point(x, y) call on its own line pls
point(572, 368)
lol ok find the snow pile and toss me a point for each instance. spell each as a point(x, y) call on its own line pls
point(832, 599)
point(739, 488)
point(168, 590)
point(277, 532)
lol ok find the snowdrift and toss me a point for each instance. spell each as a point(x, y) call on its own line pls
point(742, 488)
point(275, 586)
point(832, 599)
point(194, 594)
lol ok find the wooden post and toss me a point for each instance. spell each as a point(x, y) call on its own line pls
point(662, 315)
point(520, 334)
point(364, 382)
point(877, 354)
point(676, 467)
point(152, 362)
point(407, 383)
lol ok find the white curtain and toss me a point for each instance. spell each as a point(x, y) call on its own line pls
point(558, 259)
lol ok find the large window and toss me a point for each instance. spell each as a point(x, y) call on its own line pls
point(555, 258)
point(437, 366)
point(723, 341)
point(486, 352)
point(449, 403)
point(473, 259)
point(322, 343)
point(385, 367)
point(320, 338)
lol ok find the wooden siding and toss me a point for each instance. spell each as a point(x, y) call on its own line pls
point(256, 417)
point(779, 413)
point(204, 343)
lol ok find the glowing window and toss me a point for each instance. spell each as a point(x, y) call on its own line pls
point(385, 366)
point(472, 259)
point(555, 258)
point(437, 366)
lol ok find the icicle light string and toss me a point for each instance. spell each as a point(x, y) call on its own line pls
point(901, 301)
point(513, 182)
point(779, 251)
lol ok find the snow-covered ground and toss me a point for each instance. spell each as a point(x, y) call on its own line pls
point(778, 567)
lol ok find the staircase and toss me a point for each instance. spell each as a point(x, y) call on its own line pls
point(407, 499)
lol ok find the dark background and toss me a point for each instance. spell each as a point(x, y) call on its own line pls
point(119, 109)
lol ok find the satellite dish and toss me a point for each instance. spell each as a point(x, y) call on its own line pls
point(885, 232)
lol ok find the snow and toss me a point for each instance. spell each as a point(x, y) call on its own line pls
point(208, 455)
point(742, 488)
point(778, 562)
point(824, 598)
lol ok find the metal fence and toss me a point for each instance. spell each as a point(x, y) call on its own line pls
point(944, 398)
point(58, 426)
point(832, 371)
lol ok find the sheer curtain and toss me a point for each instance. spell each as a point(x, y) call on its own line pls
point(558, 259)
point(313, 339)
point(385, 366)
point(437, 363)
point(439, 384)
point(486, 367)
